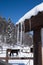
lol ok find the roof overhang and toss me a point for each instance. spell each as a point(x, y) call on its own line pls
point(36, 22)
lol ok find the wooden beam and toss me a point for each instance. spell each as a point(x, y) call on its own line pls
point(26, 24)
point(37, 48)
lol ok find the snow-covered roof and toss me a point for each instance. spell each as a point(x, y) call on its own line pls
point(32, 12)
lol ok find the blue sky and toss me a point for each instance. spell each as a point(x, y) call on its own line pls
point(15, 9)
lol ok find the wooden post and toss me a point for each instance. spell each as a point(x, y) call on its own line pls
point(7, 55)
point(37, 47)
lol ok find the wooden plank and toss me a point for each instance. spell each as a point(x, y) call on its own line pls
point(3, 58)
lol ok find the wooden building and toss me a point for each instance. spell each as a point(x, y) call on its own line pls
point(33, 20)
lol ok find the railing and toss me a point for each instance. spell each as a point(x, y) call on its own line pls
point(7, 58)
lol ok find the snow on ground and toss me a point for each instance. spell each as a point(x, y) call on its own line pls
point(20, 54)
point(26, 62)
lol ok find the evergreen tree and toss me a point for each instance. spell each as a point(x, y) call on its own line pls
point(11, 34)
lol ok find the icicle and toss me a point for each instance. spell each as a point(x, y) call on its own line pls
point(21, 34)
point(18, 34)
